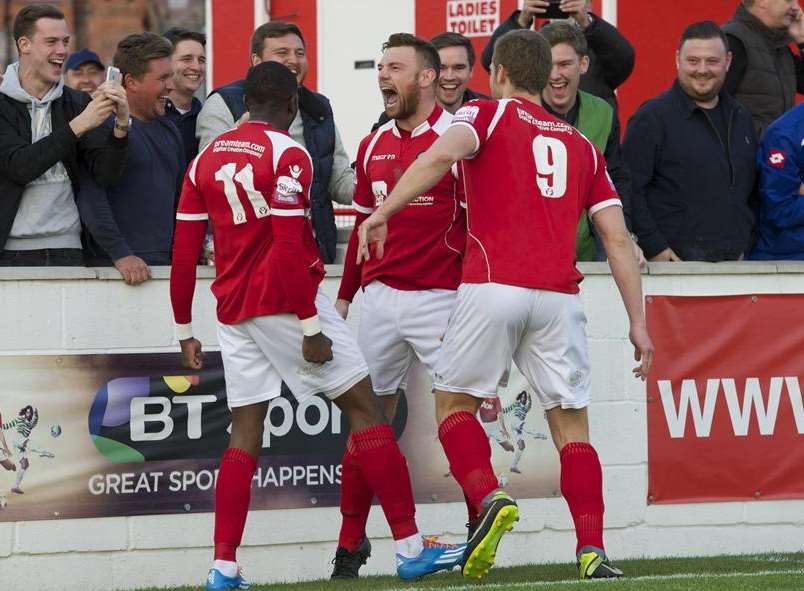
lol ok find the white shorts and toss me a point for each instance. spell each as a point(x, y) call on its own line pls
point(262, 352)
point(396, 327)
point(544, 332)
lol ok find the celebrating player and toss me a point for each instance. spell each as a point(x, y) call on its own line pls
point(275, 324)
point(529, 177)
point(408, 295)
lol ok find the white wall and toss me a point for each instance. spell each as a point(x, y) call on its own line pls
point(73, 311)
point(350, 31)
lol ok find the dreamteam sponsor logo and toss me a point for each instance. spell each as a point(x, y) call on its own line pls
point(467, 114)
point(742, 404)
point(376, 157)
point(423, 200)
point(776, 158)
point(239, 147)
point(555, 126)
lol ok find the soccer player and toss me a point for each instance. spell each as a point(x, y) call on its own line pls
point(529, 177)
point(24, 424)
point(408, 295)
point(275, 325)
point(5, 452)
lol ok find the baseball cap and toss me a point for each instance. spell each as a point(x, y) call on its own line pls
point(79, 58)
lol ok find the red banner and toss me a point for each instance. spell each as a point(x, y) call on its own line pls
point(725, 411)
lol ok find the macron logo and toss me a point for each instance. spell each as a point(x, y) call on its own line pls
point(753, 404)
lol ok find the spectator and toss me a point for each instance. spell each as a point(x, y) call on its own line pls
point(46, 129)
point(765, 74)
point(691, 153)
point(591, 115)
point(132, 223)
point(189, 61)
point(457, 64)
point(313, 127)
point(84, 71)
point(781, 189)
point(611, 56)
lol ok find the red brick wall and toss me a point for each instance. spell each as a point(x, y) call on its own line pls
point(102, 23)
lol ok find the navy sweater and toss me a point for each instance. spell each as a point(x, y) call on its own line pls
point(136, 216)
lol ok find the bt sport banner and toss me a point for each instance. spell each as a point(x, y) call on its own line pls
point(119, 435)
point(725, 410)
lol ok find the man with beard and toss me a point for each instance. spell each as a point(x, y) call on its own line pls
point(457, 56)
point(765, 74)
point(691, 152)
point(409, 295)
point(131, 225)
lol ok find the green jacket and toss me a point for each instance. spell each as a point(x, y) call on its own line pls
point(595, 118)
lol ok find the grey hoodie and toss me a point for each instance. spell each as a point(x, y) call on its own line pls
point(47, 216)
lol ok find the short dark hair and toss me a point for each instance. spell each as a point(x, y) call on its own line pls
point(268, 85)
point(526, 56)
point(558, 32)
point(704, 30)
point(450, 39)
point(425, 50)
point(135, 51)
point(272, 30)
point(25, 21)
point(178, 34)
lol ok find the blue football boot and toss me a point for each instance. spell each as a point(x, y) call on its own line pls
point(216, 581)
point(435, 556)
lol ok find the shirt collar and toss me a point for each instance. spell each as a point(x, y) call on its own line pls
point(424, 126)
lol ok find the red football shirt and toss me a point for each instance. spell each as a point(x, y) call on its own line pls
point(426, 239)
point(253, 184)
point(529, 181)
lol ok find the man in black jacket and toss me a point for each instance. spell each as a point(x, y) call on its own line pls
point(691, 152)
point(45, 129)
point(611, 56)
point(313, 127)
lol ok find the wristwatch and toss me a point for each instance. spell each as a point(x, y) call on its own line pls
point(120, 127)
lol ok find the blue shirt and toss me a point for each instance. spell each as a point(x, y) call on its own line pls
point(136, 216)
point(781, 210)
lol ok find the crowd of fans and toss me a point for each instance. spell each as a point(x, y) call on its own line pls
point(709, 170)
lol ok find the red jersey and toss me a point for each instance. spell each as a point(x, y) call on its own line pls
point(489, 409)
point(253, 184)
point(529, 181)
point(426, 239)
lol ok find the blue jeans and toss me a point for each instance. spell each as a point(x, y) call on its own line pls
point(46, 257)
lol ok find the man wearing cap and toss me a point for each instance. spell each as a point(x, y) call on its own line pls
point(84, 71)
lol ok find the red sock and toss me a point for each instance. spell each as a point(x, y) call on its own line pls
point(232, 496)
point(386, 472)
point(356, 497)
point(582, 487)
point(467, 447)
point(471, 510)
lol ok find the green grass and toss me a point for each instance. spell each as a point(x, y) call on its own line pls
point(765, 572)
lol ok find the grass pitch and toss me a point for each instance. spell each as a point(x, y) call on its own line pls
point(761, 572)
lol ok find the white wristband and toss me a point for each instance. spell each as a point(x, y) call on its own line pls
point(184, 331)
point(311, 326)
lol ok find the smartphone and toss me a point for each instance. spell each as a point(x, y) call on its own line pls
point(113, 75)
point(553, 11)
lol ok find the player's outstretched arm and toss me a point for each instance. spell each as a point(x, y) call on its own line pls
point(457, 143)
point(610, 223)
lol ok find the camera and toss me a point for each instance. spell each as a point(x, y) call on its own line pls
point(553, 11)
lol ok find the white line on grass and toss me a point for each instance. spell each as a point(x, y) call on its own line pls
point(475, 586)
